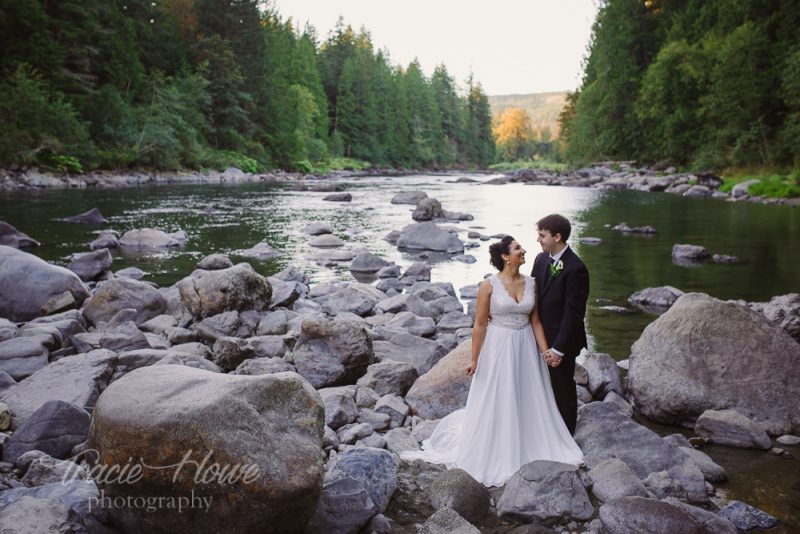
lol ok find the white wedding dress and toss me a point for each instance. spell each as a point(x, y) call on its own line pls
point(511, 417)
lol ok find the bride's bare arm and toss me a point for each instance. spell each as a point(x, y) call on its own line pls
point(481, 320)
point(538, 329)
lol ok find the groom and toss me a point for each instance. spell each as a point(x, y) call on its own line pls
point(562, 289)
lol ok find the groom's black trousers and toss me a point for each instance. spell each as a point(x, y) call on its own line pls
point(563, 380)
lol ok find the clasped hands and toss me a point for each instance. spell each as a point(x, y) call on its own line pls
point(551, 359)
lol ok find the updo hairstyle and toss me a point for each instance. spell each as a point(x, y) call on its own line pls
point(497, 250)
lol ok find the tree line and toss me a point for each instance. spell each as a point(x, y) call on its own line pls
point(173, 84)
point(707, 84)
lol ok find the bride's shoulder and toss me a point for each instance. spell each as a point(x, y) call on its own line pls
point(487, 284)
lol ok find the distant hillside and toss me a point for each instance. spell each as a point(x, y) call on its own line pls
point(542, 107)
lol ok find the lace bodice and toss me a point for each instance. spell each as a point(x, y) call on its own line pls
point(505, 311)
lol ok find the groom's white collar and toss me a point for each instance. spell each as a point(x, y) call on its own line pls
point(558, 256)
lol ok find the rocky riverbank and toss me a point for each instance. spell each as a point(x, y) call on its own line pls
point(599, 176)
point(271, 404)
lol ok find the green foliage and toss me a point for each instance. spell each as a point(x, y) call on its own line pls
point(192, 83)
point(536, 164)
point(707, 84)
point(63, 163)
point(770, 185)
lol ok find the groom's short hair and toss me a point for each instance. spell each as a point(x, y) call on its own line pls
point(555, 224)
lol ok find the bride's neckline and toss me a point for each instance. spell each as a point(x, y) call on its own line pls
point(524, 289)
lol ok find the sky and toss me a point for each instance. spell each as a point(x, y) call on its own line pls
point(511, 46)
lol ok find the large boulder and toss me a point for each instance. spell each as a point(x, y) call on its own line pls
point(331, 352)
point(409, 197)
point(641, 449)
point(356, 298)
point(628, 515)
point(55, 428)
point(11, 237)
point(366, 262)
point(89, 265)
point(429, 236)
point(22, 356)
point(207, 293)
point(695, 358)
point(545, 492)
point(389, 377)
point(358, 486)
point(729, 427)
point(28, 285)
point(75, 379)
point(457, 490)
point(266, 430)
point(444, 388)
point(150, 238)
point(420, 352)
point(655, 299)
point(122, 294)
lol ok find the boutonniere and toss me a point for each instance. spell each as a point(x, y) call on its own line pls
point(556, 268)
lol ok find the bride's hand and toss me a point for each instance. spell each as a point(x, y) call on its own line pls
point(471, 368)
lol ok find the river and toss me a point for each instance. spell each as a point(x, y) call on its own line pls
point(225, 218)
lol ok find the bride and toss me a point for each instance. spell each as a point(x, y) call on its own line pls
point(511, 417)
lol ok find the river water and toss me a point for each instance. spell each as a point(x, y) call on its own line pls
point(226, 218)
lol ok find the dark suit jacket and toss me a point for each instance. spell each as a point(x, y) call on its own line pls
point(562, 302)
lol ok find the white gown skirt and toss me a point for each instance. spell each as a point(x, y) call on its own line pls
point(510, 419)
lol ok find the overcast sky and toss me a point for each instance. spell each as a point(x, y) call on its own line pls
point(511, 46)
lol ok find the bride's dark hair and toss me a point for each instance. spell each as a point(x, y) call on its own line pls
point(496, 251)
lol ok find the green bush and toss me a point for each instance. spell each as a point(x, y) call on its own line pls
point(303, 166)
point(66, 164)
point(222, 159)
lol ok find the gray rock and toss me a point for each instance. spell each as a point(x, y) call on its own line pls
point(160, 324)
point(711, 470)
point(429, 236)
point(469, 292)
point(20, 357)
point(326, 241)
point(741, 189)
point(149, 238)
point(292, 274)
point(230, 352)
point(628, 515)
point(358, 486)
point(93, 216)
point(788, 439)
point(388, 377)
point(366, 397)
point(377, 421)
point(263, 366)
point(8, 329)
point(729, 427)
point(428, 209)
point(120, 338)
point(267, 346)
point(673, 379)
point(393, 304)
point(350, 433)
point(74, 496)
point(642, 449)
point(399, 440)
point(277, 421)
point(317, 228)
point(373, 441)
point(134, 273)
point(260, 252)
point(394, 407)
point(338, 197)
point(447, 521)
point(409, 197)
point(623, 406)
point(655, 299)
point(420, 352)
point(77, 380)
point(710, 522)
point(11, 237)
point(28, 515)
point(215, 262)
point(457, 490)
point(340, 408)
point(331, 353)
point(782, 311)
point(444, 388)
point(545, 492)
point(604, 375)
point(120, 294)
point(390, 271)
point(366, 262)
point(417, 271)
point(408, 322)
point(613, 478)
point(55, 428)
point(725, 259)
point(699, 191)
point(105, 239)
point(29, 284)
point(453, 321)
point(90, 265)
point(224, 324)
point(746, 517)
point(273, 323)
point(41, 469)
point(682, 252)
point(207, 293)
point(356, 298)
